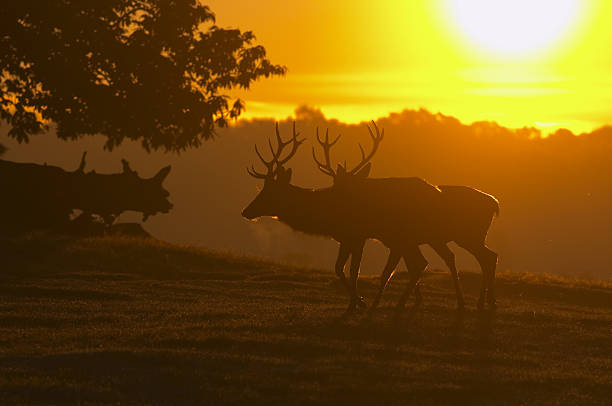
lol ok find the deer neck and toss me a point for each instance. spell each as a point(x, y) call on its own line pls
point(309, 211)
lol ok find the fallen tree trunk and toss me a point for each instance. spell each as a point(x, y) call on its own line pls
point(36, 196)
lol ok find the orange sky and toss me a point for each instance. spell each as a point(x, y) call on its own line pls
point(358, 60)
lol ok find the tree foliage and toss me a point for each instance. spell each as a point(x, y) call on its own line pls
point(156, 71)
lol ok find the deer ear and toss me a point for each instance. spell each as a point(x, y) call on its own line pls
point(340, 170)
point(161, 175)
point(364, 172)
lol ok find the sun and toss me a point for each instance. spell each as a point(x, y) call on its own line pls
point(515, 28)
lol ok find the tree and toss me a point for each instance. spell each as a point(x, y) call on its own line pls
point(156, 71)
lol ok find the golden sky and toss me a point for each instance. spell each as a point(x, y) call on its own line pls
point(544, 63)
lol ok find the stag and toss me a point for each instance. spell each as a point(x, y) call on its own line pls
point(400, 212)
point(344, 180)
point(314, 211)
point(406, 212)
point(322, 212)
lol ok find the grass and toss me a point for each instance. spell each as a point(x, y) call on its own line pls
point(131, 322)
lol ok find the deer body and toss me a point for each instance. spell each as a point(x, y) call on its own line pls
point(311, 211)
point(403, 213)
point(396, 211)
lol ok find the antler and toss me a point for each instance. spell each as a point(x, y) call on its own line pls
point(276, 154)
point(376, 139)
point(282, 145)
point(326, 167)
point(269, 164)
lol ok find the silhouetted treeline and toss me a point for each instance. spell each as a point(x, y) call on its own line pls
point(554, 192)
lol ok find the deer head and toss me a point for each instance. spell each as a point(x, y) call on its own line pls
point(277, 178)
point(342, 175)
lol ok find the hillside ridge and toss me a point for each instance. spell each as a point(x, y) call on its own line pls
point(140, 321)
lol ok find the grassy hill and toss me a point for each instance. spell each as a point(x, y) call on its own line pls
point(125, 321)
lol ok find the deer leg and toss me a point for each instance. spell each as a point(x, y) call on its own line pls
point(392, 261)
point(418, 299)
point(356, 254)
point(492, 265)
point(416, 264)
point(483, 290)
point(472, 248)
point(343, 254)
point(412, 285)
point(488, 262)
point(449, 258)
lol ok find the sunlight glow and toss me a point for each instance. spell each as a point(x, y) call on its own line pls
point(515, 28)
point(516, 62)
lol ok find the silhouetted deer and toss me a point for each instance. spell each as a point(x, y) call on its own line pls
point(400, 212)
point(324, 212)
point(344, 181)
point(319, 212)
point(405, 212)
